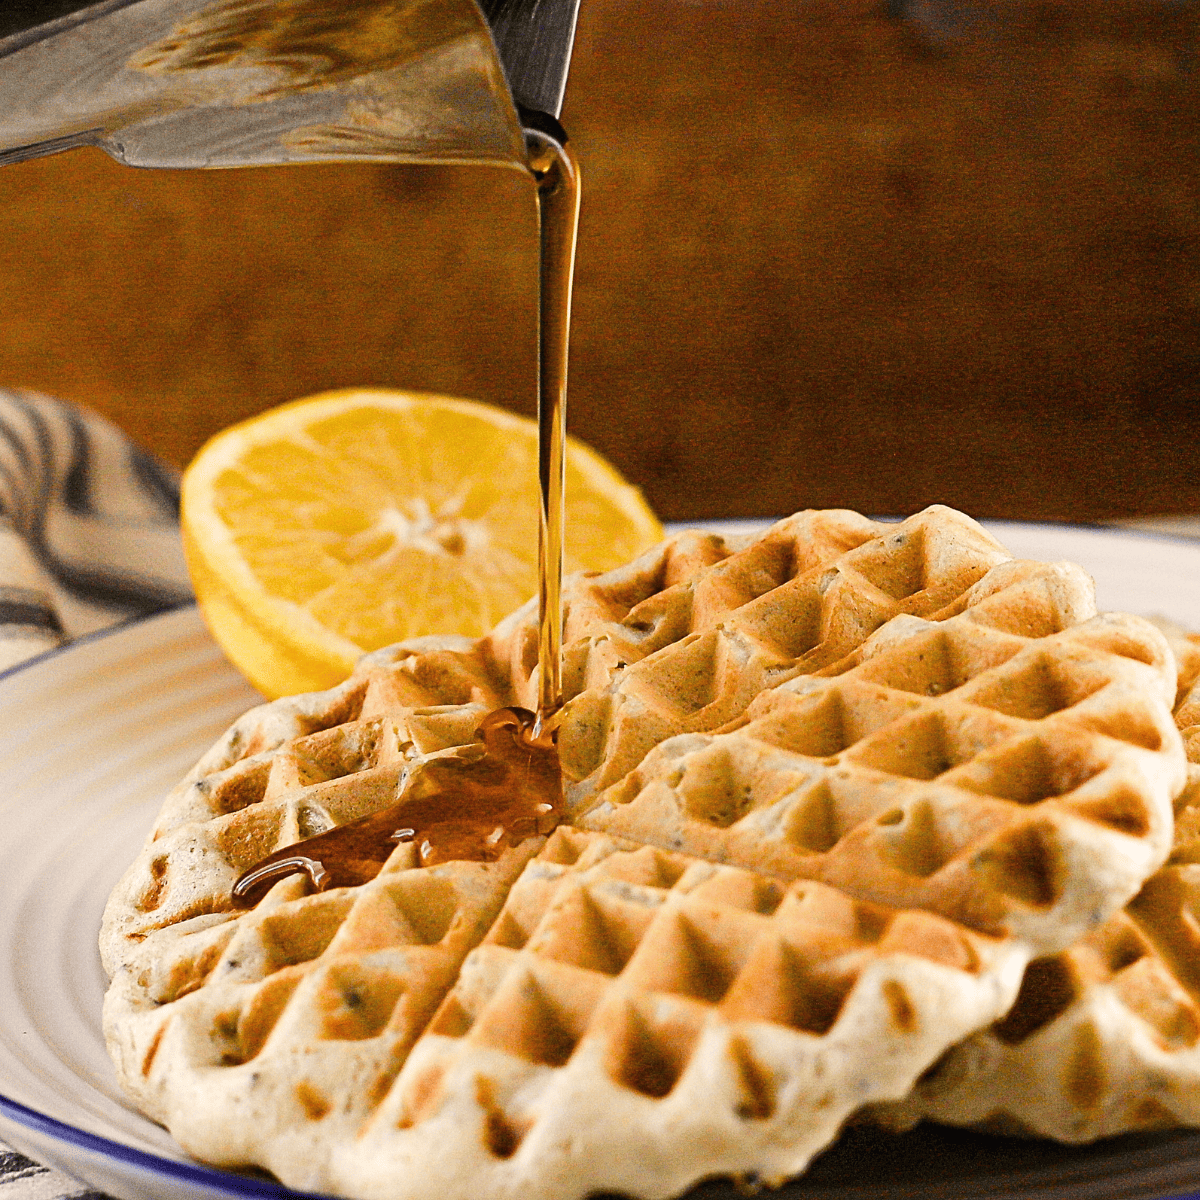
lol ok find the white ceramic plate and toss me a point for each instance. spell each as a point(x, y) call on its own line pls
point(92, 737)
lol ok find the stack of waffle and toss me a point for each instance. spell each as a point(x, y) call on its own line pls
point(827, 793)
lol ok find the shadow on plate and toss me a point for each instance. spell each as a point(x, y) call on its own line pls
point(937, 1163)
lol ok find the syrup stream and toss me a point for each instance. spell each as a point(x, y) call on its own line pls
point(557, 176)
point(507, 785)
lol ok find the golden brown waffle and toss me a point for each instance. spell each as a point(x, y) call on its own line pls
point(958, 769)
point(648, 659)
point(636, 1015)
point(1185, 645)
point(1187, 718)
point(286, 1025)
point(1104, 1037)
point(918, 660)
point(633, 1020)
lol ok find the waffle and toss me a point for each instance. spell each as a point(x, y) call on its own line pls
point(631, 1020)
point(692, 949)
point(636, 1015)
point(1187, 710)
point(1105, 1036)
point(649, 659)
point(318, 997)
point(952, 766)
point(1185, 645)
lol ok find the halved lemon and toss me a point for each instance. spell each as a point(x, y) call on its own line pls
point(344, 522)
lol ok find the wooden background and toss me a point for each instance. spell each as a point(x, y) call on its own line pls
point(832, 254)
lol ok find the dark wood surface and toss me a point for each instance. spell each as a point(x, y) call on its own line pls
point(831, 255)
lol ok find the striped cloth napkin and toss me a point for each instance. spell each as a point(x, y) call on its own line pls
point(23, 1179)
point(89, 527)
point(89, 537)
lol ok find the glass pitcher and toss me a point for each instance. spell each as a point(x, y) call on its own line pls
point(229, 83)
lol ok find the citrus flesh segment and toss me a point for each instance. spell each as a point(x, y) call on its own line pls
point(350, 520)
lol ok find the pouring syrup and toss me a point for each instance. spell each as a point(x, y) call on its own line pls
point(507, 785)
